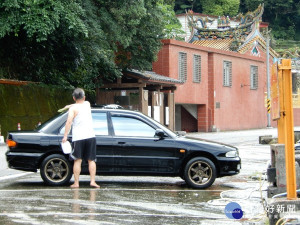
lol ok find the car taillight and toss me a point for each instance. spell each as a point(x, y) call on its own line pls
point(11, 143)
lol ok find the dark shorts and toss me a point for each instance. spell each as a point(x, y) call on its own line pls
point(84, 149)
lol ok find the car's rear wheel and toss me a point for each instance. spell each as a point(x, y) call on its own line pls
point(200, 172)
point(56, 170)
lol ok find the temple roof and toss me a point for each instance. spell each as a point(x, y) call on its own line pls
point(223, 44)
point(239, 27)
point(152, 76)
point(238, 34)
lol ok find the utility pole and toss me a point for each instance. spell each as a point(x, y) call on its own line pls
point(268, 78)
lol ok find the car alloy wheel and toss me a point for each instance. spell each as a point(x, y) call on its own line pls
point(56, 170)
point(200, 172)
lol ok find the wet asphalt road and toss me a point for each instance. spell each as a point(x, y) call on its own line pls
point(136, 200)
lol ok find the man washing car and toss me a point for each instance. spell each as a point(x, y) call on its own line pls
point(83, 136)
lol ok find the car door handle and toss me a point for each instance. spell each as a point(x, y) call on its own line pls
point(121, 143)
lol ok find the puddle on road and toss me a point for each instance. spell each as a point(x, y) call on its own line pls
point(113, 206)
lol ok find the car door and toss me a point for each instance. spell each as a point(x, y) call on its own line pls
point(138, 151)
point(104, 142)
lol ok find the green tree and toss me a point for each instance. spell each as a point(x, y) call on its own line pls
point(79, 42)
point(172, 26)
point(283, 16)
point(181, 6)
point(39, 18)
point(221, 7)
point(210, 7)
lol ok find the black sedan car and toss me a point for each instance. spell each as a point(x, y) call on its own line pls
point(128, 143)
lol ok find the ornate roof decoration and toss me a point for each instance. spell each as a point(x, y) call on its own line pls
point(294, 53)
point(235, 32)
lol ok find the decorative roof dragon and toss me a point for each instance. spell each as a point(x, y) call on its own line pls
point(237, 28)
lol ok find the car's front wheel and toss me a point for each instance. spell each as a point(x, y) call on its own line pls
point(56, 170)
point(200, 172)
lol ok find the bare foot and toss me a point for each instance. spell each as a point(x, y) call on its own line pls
point(74, 186)
point(94, 185)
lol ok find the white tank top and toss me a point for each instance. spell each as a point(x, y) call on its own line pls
point(82, 127)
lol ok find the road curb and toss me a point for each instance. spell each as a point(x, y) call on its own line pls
point(2, 178)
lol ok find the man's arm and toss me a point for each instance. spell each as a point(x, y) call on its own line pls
point(65, 108)
point(71, 116)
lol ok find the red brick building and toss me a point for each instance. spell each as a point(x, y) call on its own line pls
point(224, 74)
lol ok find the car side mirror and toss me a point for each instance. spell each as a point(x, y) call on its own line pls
point(159, 133)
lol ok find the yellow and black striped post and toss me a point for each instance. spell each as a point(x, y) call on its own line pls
point(288, 128)
point(269, 105)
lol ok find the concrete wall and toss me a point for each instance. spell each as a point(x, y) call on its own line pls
point(240, 107)
point(29, 105)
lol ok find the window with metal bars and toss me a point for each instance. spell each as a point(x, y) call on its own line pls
point(254, 77)
point(197, 69)
point(182, 66)
point(227, 74)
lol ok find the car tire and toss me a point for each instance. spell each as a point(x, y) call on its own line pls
point(200, 172)
point(56, 170)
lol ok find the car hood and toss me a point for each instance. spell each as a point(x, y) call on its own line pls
point(206, 144)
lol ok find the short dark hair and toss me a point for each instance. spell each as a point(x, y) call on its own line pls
point(78, 93)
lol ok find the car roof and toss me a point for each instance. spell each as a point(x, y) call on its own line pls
point(108, 106)
point(117, 110)
point(60, 118)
